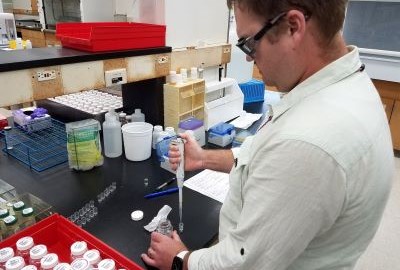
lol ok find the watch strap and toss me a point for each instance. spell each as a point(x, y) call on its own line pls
point(182, 254)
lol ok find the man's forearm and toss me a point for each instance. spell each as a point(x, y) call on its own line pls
point(218, 160)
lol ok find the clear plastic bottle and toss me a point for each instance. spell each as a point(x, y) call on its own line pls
point(156, 132)
point(138, 116)
point(5, 254)
point(106, 264)
point(49, 261)
point(122, 118)
point(78, 249)
point(112, 136)
point(24, 245)
point(93, 257)
point(81, 264)
point(15, 263)
point(36, 254)
point(165, 227)
point(63, 266)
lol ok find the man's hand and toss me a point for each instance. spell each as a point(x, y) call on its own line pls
point(162, 250)
point(194, 154)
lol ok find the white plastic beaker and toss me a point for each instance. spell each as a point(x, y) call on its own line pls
point(137, 140)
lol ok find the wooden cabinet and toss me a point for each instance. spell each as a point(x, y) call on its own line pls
point(35, 36)
point(51, 39)
point(390, 95)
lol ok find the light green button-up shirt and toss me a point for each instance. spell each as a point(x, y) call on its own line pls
point(309, 189)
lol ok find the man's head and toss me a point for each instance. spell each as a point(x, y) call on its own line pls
point(288, 39)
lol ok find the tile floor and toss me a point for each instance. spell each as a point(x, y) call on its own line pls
point(384, 251)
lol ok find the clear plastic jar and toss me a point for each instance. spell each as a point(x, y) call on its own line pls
point(11, 225)
point(5, 254)
point(36, 254)
point(49, 261)
point(93, 257)
point(24, 245)
point(165, 227)
point(106, 264)
point(18, 207)
point(81, 264)
point(63, 266)
point(15, 263)
point(29, 267)
point(78, 249)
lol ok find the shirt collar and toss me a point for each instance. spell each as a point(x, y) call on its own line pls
point(332, 73)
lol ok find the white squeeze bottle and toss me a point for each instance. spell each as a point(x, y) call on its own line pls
point(112, 135)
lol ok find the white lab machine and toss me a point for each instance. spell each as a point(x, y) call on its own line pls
point(7, 29)
point(223, 102)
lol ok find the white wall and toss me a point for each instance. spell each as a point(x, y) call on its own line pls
point(22, 4)
point(97, 10)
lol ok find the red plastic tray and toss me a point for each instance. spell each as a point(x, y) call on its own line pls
point(110, 36)
point(58, 233)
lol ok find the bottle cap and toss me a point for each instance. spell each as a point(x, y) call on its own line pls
point(138, 110)
point(49, 261)
point(37, 252)
point(122, 114)
point(27, 212)
point(10, 220)
point(78, 248)
point(25, 243)
point(30, 267)
point(158, 128)
point(80, 264)
point(15, 263)
point(63, 266)
point(92, 256)
point(4, 213)
point(18, 205)
point(6, 254)
point(137, 215)
point(107, 264)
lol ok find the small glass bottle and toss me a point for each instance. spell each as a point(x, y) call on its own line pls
point(129, 118)
point(81, 264)
point(36, 254)
point(78, 249)
point(93, 257)
point(5, 254)
point(106, 264)
point(29, 267)
point(11, 225)
point(3, 214)
point(24, 245)
point(165, 227)
point(28, 216)
point(63, 266)
point(15, 263)
point(18, 207)
point(49, 261)
point(122, 118)
point(9, 138)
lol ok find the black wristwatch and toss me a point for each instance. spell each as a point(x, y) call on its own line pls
point(177, 263)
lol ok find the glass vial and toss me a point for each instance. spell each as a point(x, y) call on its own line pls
point(93, 257)
point(28, 216)
point(36, 254)
point(81, 264)
point(106, 264)
point(165, 227)
point(18, 207)
point(15, 263)
point(5, 254)
point(49, 261)
point(24, 245)
point(78, 249)
point(30, 267)
point(122, 118)
point(11, 225)
point(63, 266)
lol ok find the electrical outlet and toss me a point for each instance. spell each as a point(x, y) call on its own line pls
point(162, 59)
point(227, 50)
point(115, 76)
point(46, 75)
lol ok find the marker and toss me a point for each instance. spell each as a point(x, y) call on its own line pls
point(162, 193)
point(165, 184)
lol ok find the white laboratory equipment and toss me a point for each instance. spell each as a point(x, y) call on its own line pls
point(223, 102)
point(7, 29)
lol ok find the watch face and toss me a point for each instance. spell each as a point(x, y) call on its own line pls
point(177, 263)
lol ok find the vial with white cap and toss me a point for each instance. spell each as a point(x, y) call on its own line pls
point(184, 74)
point(15, 263)
point(30, 267)
point(165, 227)
point(78, 249)
point(36, 254)
point(5, 254)
point(63, 266)
point(156, 132)
point(92, 256)
point(106, 264)
point(49, 261)
point(81, 264)
point(24, 245)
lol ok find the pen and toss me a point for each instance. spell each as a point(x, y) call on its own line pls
point(161, 193)
point(165, 184)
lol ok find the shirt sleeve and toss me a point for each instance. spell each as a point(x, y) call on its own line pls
point(294, 192)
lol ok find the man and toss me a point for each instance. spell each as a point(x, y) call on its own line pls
point(307, 191)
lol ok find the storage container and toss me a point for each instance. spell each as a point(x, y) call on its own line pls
point(253, 91)
point(221, 134)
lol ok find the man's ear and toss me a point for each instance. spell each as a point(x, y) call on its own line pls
point(296, 22)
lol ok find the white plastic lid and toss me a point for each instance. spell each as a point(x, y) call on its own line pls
point(137, 215)
point(15, 263)
point(25, 243)
point(37, 252)
point(29, 267)
point(78, 248)
point(158, 128)
point(92, 256)
point(106, 264)
point(63, 266)
point(80, 264)
point(122, 114)
point(49, 261)
point(6, 254)
point(138, 111)
point(18, 205)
